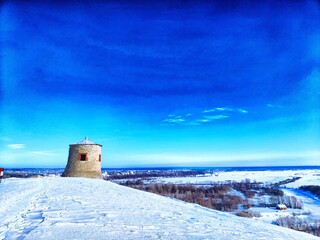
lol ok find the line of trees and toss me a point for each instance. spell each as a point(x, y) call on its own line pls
point(215, 197)
point(307, 225)
point(312, 188)
point(286, 181)
point(19, 175)
point(148, 175)
point(220, 196)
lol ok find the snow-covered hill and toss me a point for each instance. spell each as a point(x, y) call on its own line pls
point(77, 208)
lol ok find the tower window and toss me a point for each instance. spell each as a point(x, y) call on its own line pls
point(82, 157)
point(99, 157)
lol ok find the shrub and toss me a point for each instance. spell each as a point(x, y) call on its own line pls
point(256, 214)
point(248, 214)
point(243, 214)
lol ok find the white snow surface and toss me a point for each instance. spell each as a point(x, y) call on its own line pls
point(310, 201)
point(308, 177)
point(79, 208)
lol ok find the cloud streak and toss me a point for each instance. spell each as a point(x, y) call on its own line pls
point(16, 146)
point(242, 110)
point(225, 109)
point(174, 120)
point(273, 106)
point(198, 118)
point(215, 117)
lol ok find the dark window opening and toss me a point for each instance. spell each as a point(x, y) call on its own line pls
point(83, 157)
point(99, 157)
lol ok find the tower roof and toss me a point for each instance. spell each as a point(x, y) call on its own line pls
point(86, 141)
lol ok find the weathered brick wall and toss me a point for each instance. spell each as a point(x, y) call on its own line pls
point(90, 168)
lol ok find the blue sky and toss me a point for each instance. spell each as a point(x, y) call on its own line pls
point(195, 83)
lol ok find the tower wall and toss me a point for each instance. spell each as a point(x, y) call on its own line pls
point(90, 168)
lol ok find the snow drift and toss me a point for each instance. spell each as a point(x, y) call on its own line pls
point(78, 208)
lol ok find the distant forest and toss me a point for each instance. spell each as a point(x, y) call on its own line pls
point(312, 188)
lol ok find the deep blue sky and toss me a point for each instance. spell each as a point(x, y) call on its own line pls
point(203, 83)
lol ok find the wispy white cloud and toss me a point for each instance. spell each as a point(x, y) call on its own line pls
point(219, 109)
point(174, 120)
point(16, 146)
point(242, 110)
point(224, 109)
point(209, 110)
point(197, 119)
point(215, 117)
point(273, 105)
point(203, 120)
point(174, 116)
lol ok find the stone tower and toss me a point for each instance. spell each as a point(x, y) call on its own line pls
point(84, 160)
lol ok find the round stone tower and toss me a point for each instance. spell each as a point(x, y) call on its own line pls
point(84, 160)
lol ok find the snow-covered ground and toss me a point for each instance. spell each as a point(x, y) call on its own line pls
point(270, 215)
point(78, 208)
point(311, 177)
point(308, 177)
point(310, 201)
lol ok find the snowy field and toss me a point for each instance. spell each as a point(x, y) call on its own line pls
point(310, 201)
point(269, 215)
point(308, 177)
point(78, 208)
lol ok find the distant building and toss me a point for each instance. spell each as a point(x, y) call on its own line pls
point(84, 160)
point(281, 207)
point(1, 173)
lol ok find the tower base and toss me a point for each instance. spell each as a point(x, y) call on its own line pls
point(86, 174)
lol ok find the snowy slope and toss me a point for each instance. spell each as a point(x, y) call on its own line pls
point(76, 208)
